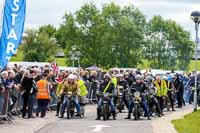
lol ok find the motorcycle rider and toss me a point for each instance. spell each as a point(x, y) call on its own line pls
point(106, 86)
point(141, 87)
point(129, 78)
point(153, 101)
point(124, 84)
point(70, 87)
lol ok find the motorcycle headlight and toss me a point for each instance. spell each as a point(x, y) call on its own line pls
point(137, 94)
point(120, 94)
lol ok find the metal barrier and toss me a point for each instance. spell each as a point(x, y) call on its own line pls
point(4, 110)
point(92, 89)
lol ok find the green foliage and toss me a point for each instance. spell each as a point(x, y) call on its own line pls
point(189, 124)
point(37, 46)
point(168, 46)
point(113, 36)
point(109, 37)
point(49, 29)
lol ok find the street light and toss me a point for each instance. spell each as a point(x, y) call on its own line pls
point(113, 49)
point(75, 55)
point(195, 16)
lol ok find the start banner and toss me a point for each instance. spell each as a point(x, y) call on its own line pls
point(12, 29)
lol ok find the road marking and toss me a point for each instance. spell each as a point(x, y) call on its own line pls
point(98, 128)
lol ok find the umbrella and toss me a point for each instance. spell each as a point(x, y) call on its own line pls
point(93, 68)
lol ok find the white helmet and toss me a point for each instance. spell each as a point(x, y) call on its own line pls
point(138, 77)
point(119, 75)
point(71, 77)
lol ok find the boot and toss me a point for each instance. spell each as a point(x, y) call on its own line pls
point(129, 116)
point(114, 115)
point(98, 114)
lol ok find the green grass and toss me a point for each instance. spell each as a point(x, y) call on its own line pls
point(62, 62)
point(19, 57)
point(192, 65)
point(189, 124)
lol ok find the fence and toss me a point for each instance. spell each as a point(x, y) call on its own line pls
point(92, 89)
point(5, 100)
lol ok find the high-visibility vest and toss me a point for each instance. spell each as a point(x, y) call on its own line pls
point(83, 89)
point(42, 90)
point(114, 81)
point(161, 90)
point(59, 88)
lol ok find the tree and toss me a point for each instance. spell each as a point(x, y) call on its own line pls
point(121, 37)
point(111, 37)
point(167, 45)
point(37, 46)
point(49, 29)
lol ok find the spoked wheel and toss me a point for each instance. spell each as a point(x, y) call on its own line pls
point(105, 114)
point(136, 113)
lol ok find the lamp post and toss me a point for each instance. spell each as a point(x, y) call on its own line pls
point(75, 55)
point(195, 16)
point(113, 49)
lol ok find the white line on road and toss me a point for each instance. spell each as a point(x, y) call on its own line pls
point(98, 128)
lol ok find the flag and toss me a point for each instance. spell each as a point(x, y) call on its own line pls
point(55, 67)
point(12, 29)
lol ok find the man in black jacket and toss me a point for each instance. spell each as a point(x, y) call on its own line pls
point(178, 85)
point(106, 87)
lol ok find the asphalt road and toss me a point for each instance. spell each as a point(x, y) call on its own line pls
point(90, 125)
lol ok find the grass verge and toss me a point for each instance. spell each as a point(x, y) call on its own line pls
point(189, 124)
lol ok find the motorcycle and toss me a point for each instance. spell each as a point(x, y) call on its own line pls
point(120, 103)
point(153, 102)
point(137, 112)
point(70, 106)
point(105, 110)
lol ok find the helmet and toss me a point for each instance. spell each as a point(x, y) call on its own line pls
point(71, 77)
point(138, 77)
point(126, 74)
point(106, 76)
point(164, 77)
point(93, 73)
point(149, 78)
point(119, 75)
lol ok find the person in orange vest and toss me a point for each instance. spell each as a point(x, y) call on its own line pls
point(43, 95)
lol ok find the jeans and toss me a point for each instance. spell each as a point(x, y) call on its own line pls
point(65, 103)
point(53, 96)
point(111, 103)
point(187, 94)
point(144, 106)
point(125, 100)
point(1, 102)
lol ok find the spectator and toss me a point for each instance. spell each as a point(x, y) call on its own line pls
point(43, 96)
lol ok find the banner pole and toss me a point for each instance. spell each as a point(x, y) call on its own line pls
point(1, 22)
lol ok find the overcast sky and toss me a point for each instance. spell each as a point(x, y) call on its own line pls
point(41, 12)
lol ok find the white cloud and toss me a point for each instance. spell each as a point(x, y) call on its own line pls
point(41, 12)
